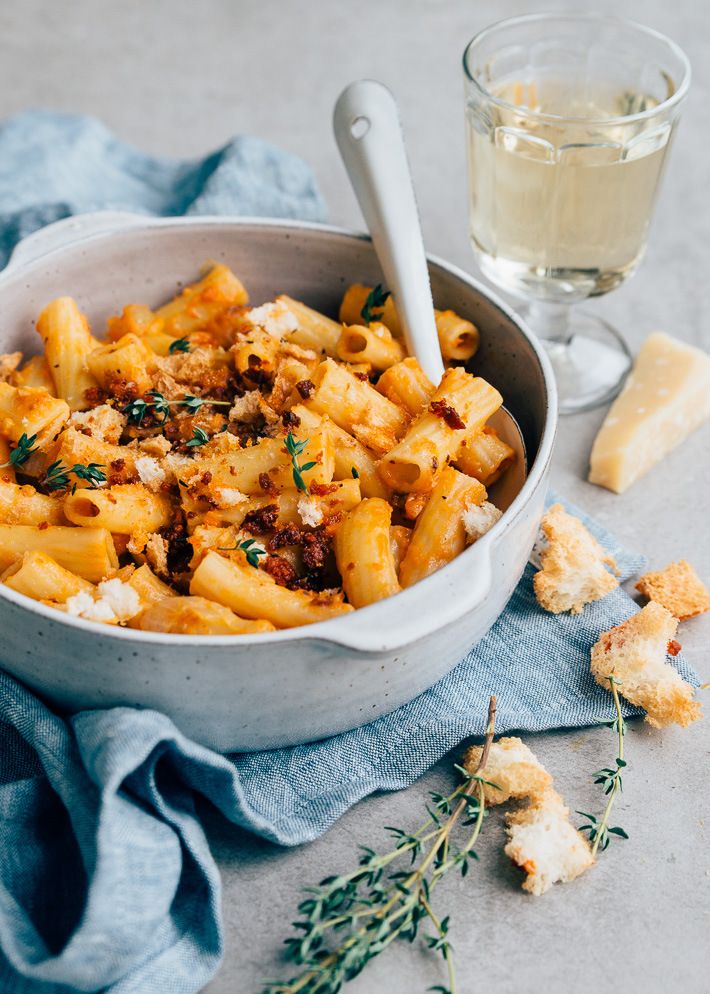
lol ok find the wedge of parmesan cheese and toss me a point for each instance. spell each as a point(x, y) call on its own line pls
point(665, 398)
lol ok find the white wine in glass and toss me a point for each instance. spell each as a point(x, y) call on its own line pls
point(569, 121)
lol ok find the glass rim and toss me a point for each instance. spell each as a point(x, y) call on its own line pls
point(675, 98)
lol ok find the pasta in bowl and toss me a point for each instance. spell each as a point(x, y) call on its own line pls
point(212, 473)
point(215, 468)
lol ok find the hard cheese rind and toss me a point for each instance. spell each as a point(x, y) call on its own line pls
point(665, 398)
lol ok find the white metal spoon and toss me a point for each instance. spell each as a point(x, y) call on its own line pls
point(369, 134)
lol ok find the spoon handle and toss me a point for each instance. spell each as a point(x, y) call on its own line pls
point(369, 134)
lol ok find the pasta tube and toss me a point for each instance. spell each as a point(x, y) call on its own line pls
point(485, 456)
point(130, 359)
point(89, 552)
point(252, 593)
point(40, 577)
point(373, 345)
point(356, 407)
point(461, 405)
point(407, 385)
point(124, 509)
point(67, 343)
point(198, 616)
point(351, 458)
point(315, 330)
point(364, 555)
point(28, 411)
point(439, 533)
point(26, 506)
point(202, 302)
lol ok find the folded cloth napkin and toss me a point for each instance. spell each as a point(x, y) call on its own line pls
point(107, 882)
point(106, 878)
point(55, 165)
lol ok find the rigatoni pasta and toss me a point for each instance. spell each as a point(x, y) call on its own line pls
point(210, 468)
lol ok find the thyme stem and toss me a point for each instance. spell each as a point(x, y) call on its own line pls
point(603, 827)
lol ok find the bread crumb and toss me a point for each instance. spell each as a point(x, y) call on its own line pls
point(310, 513)
point(512, 767)
point(677, 588)
point(150, 472)
point(479, 519)
point(544, 843)
point(104, 423)
point(246, 408)
point(635, 654)
point(227, 497)
point(573, 565)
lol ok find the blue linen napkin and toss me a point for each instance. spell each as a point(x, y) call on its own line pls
point(107, 882)
point(106, 878)
point(54, 165)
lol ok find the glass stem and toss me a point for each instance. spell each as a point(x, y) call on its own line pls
point(550, 322)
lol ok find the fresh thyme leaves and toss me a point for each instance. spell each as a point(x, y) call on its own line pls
point(295, 449)
point(57, 475)
point(137, 409)
point(610, 779)
point(373, 908)
point(199, 437)
point(252, 554)
point(22, 451)
point(179, 345)
point(375, 301)
point(356, 475)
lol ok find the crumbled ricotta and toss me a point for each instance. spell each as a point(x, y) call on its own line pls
point(123, 599)
point(477, 520)
point(311, 514)
point(228, 497)
point(275, 319)
point(83, 605)
point(151, 472)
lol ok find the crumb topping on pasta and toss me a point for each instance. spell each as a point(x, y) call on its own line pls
point(215, 468)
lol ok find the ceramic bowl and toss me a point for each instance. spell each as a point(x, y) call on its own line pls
point(261, 691)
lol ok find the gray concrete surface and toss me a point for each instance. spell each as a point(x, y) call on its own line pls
point(180, 78)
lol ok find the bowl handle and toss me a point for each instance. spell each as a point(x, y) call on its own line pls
point(70, 229)
point(426, 607)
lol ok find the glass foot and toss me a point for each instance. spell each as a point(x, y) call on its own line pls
point(590, 365)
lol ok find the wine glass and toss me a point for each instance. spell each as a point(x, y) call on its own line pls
point(569, 121)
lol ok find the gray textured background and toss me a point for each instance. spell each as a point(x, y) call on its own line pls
point(179, 79)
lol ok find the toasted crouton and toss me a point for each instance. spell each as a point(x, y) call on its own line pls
point(677, 588)
point(573, 565)
point(544, 843)
point(635, 653)
point(512, 767)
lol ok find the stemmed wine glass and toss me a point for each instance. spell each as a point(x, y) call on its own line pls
point(569, 121)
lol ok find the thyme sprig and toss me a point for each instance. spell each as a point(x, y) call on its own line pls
point(295, 449)
point(179, 345)
point(374, 908)
point(57, 475)
point(22, 451)
point(137, 409)
point(252, 554)
point(610, 779)
point(199, 437)
point(376, 300)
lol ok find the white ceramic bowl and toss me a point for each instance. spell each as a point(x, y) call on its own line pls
point(260, 691)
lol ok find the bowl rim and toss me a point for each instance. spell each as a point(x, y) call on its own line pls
point(98, 224)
